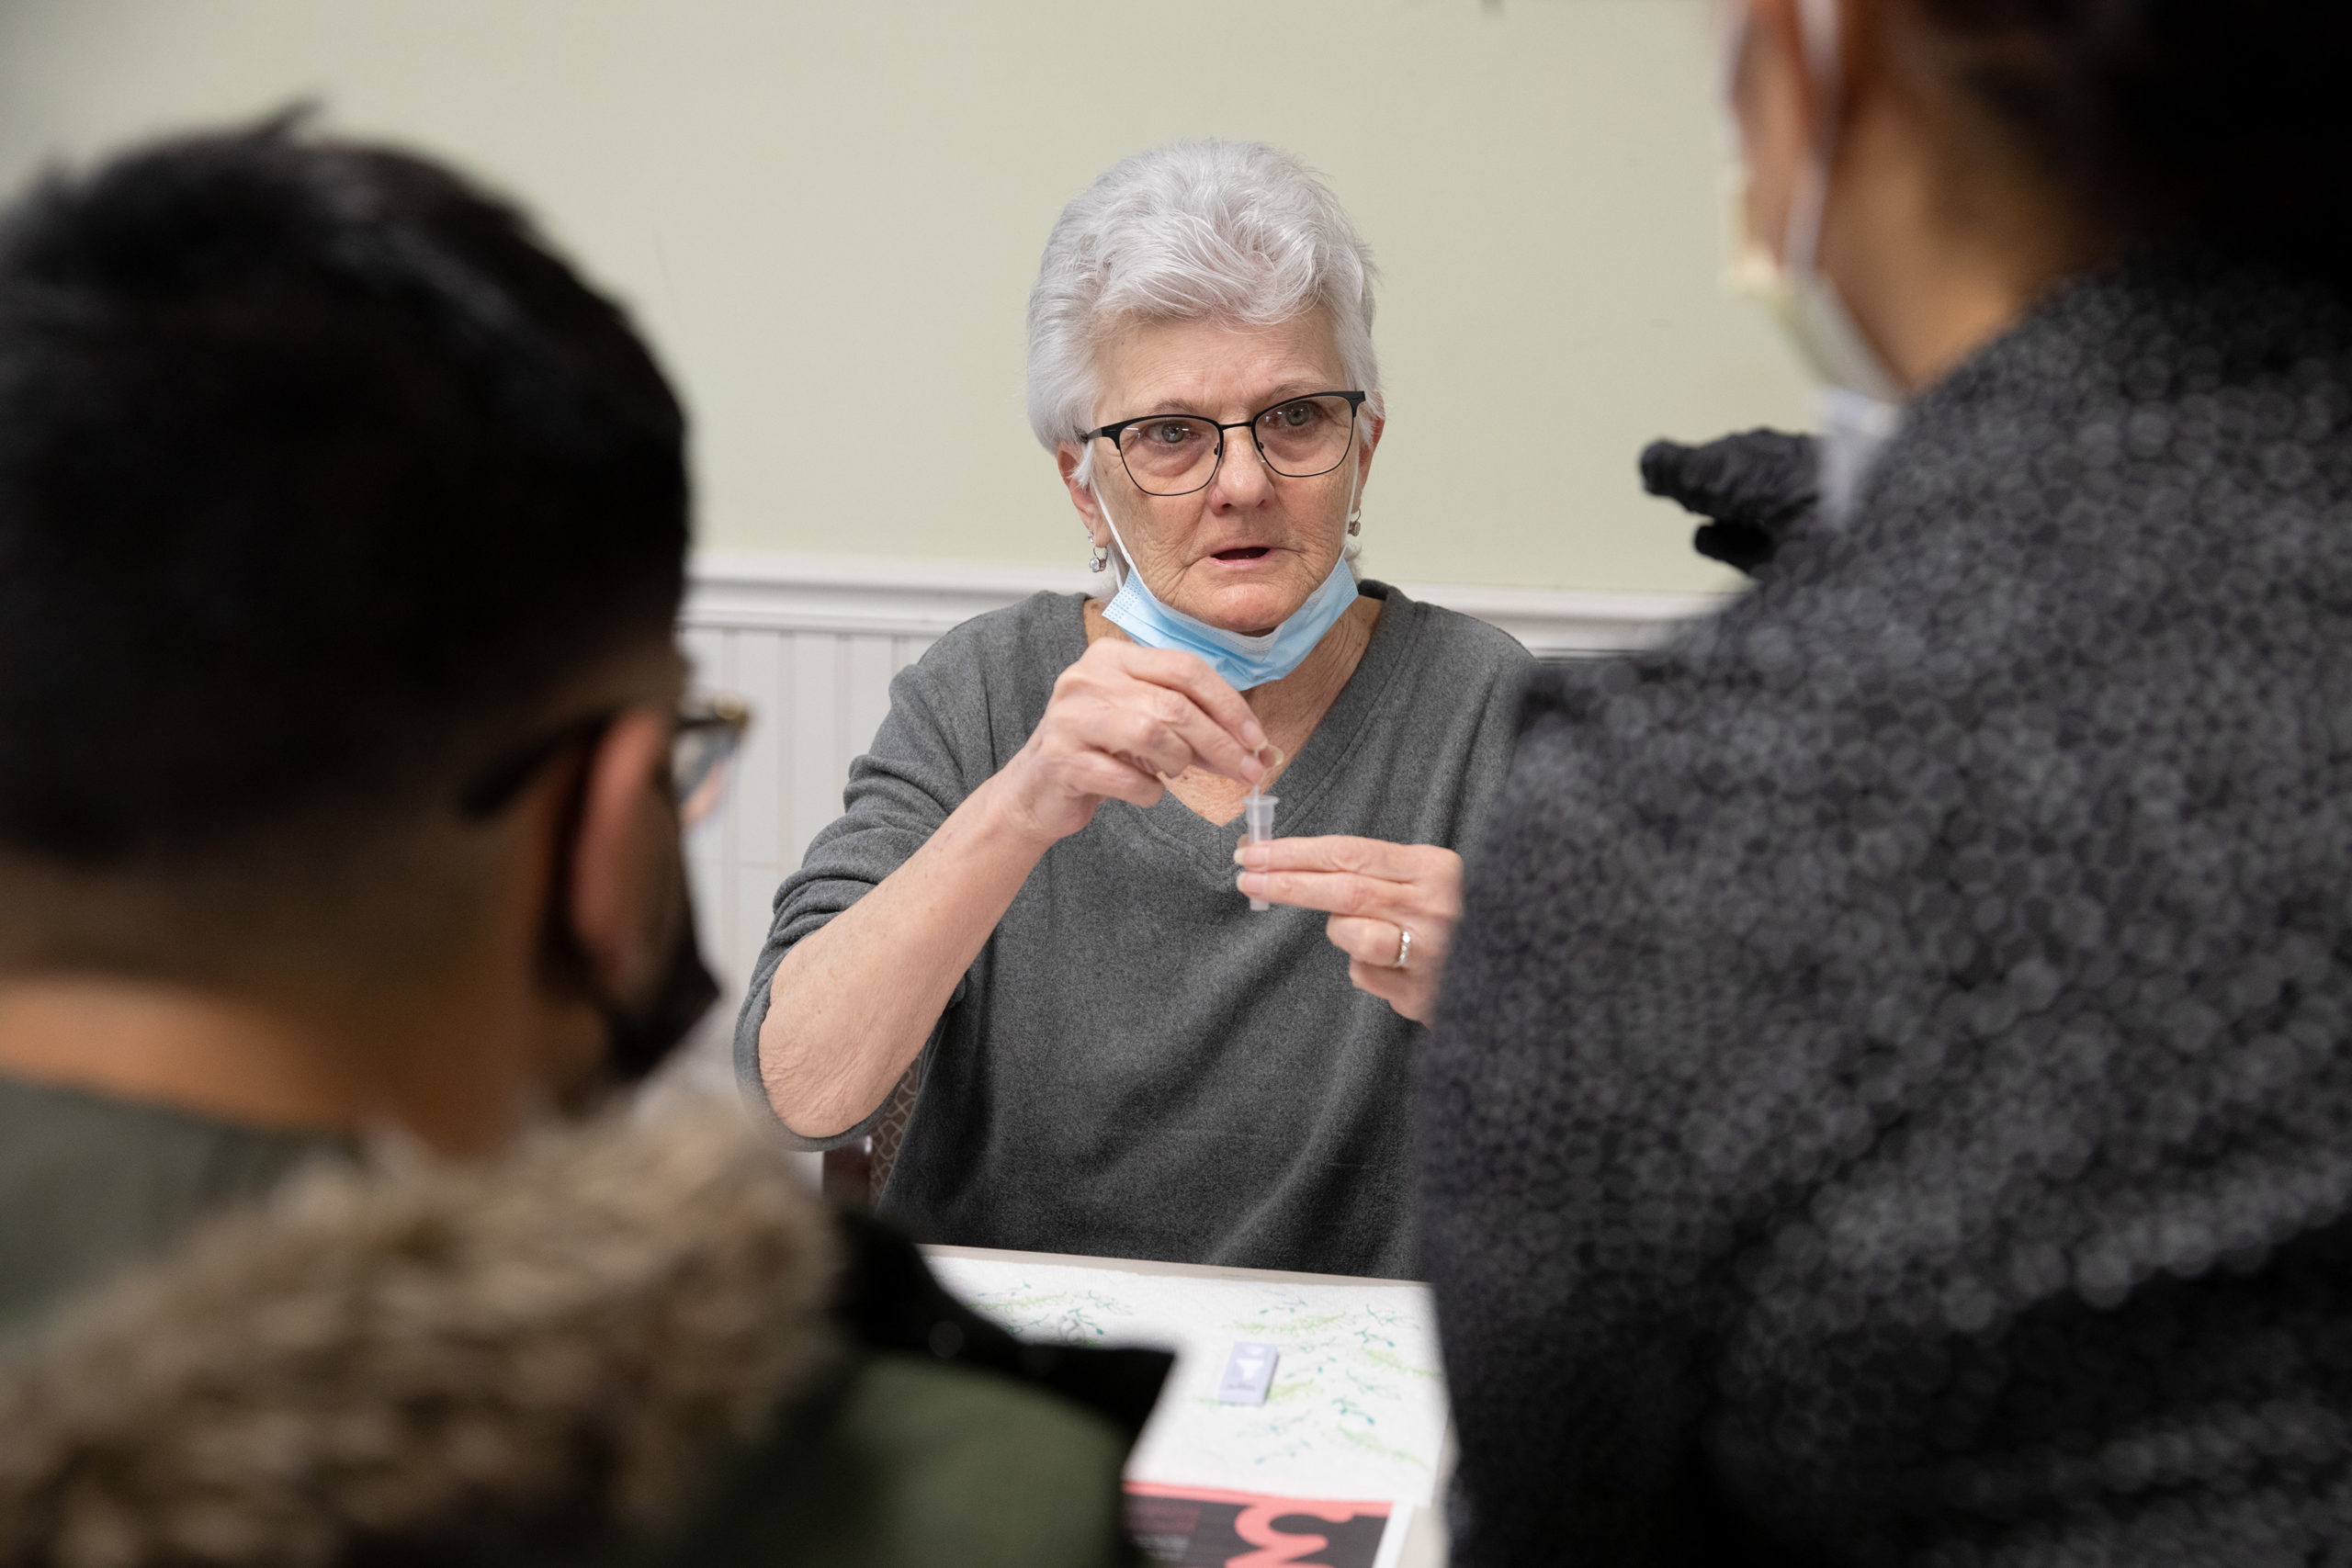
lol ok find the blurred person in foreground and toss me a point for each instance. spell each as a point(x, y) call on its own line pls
point(342, 530)
point(1027, 921)
point(1891, 1101)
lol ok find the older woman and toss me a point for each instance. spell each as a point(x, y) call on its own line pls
point(1032, 898)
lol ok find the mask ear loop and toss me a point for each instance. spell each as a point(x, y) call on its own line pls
point(1113, 558)
point(1355, 479)
point(1119, 558)
point(1818, 20)
point(1845, 356)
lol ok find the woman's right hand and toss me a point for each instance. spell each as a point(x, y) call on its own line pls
point(1122, 720)
point(852, 1002)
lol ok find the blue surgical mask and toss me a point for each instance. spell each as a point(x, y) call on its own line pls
point(1242, 662)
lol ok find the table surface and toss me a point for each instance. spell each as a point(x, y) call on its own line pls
point(1425, 1541)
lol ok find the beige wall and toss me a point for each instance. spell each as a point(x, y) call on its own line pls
point(828, 216)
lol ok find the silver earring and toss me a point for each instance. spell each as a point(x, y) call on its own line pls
point(1102, 558)
point(1356, 521)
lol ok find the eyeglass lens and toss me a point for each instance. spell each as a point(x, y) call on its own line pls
point(1176, 454)
point(702, 764)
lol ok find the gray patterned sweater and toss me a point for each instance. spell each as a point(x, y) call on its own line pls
point(1893, 1102)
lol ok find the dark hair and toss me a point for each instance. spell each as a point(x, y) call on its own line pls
point(2160, 119)
point(319, 474)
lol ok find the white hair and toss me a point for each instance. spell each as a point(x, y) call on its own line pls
point(1194, 230)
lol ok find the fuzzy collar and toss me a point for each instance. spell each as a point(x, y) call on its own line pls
point(566, 1334)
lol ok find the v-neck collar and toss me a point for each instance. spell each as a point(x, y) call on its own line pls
point(1306, 783)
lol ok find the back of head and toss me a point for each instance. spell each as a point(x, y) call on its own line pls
point(2210, 120)
point(320, 479)
point(1194, 230)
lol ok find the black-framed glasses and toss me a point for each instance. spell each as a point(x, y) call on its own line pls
point(704, 736)
point(704, 743)
point(1176, 454)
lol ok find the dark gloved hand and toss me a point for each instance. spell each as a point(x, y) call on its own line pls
point(1756, 488)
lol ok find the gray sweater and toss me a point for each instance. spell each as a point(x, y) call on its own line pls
point(1136, 1065)
point(1892, 1102)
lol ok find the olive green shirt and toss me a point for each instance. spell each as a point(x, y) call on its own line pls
point(90, 1185)
point(893, 1460)
point(906, 1461)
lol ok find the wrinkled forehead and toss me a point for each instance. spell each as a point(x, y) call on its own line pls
point(1214, 366)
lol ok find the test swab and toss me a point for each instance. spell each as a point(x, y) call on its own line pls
point(1258, 813)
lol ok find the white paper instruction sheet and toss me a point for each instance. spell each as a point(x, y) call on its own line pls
point(1356, 1407)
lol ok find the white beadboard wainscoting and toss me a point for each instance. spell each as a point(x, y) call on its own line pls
point(811, 644)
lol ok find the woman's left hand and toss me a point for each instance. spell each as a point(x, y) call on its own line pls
point(1376, 894)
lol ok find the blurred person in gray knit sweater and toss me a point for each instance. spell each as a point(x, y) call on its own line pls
point(1890, 1100)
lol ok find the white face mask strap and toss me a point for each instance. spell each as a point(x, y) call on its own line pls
point(1801, 245)
point(1819, 21)
point(1351, 521)
point(1119, 558)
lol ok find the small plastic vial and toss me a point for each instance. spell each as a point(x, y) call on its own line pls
point(1257, 817)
